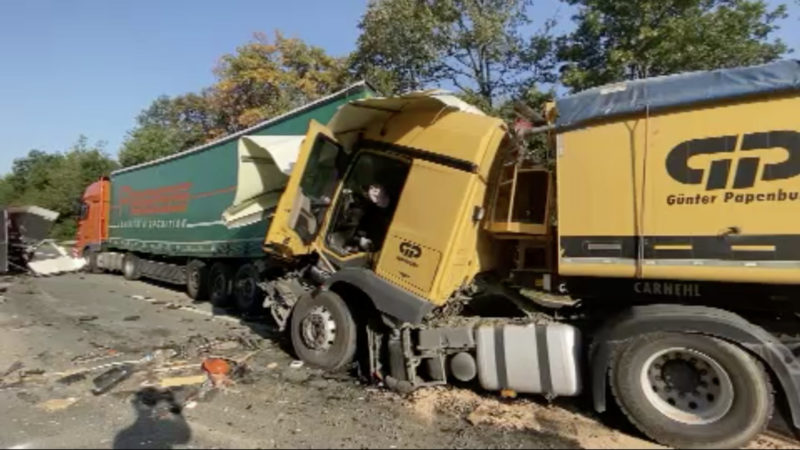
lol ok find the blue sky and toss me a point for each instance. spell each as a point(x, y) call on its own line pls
point(89, 66)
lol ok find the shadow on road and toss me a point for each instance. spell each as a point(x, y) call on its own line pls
point(159, 422)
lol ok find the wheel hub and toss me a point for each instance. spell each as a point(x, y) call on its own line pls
point(318, 329)
point(687, 386)
point(246, 286)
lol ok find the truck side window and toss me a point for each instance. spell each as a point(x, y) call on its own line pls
point(323, 170)
point(84, 211)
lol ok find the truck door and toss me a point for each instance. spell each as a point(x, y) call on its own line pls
point(364, 208)
point(321, 164)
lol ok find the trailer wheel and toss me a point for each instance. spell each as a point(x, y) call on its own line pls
point(691, 391)
point(130, 267)
point(197, 280)
point(323, 331)
point(249, 298)
point(220, 284)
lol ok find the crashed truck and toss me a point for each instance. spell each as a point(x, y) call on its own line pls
point(650, 259)
point(25, 244)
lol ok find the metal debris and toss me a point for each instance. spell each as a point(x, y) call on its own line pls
point(110, 378)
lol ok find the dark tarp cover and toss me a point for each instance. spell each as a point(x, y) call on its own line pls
point(677, 90)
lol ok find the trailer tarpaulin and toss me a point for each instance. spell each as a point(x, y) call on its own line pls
point(660, 93)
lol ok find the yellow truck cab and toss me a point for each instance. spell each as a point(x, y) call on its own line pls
point(652, 251)
point(431, 162)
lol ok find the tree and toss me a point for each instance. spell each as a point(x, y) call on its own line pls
point(266, 78)
point(625, 40)
point(168, 126)
point(478, 46)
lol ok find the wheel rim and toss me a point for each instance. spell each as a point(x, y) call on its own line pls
point(246, 287)
point(318, 329)
point(194, 278)
point(687, 386)
point(218, 285)
point(129, 267)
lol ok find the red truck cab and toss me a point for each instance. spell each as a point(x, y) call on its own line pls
point(93, 217)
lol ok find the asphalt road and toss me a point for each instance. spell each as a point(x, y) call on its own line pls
point(54, 327)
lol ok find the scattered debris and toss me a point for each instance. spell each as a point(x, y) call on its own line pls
point(13, 368)
point(2, 299)
point(110, 378)
point(190, 405)
point(226, 345)
point(182, 381)
point(42, 263)
point(4, 286)
point(131, 318)
point(101, 354)
point(272, 365)
point(88, 318)
point(57, 404)
point(508, 393)
point(73, 378)
point(296, 364)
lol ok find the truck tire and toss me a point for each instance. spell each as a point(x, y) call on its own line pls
point(323, 331)
point(219, 284)
point(197, 280)
point(691, 391)
point(249, 298)
point(130, 267)
point(91, 261)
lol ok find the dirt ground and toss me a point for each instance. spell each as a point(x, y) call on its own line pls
point(59, 333)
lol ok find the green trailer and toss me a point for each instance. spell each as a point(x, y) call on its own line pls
point(196, 218)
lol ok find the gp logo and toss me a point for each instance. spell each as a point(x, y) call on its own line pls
point(748, 163)
point(410, 250)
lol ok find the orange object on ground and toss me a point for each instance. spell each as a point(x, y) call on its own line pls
point(216, 366)
point(218, 370)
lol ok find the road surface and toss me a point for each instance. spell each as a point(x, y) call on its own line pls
point(80, 324)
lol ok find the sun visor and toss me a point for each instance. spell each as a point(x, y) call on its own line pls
point(264, 166)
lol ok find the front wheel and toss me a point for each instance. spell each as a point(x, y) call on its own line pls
point(323, 331)
point(692, 391)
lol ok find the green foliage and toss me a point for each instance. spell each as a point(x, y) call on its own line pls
point(168, 126)
point(266, 78)
point(478, 46)
point(56, 181)
point(624, 40)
